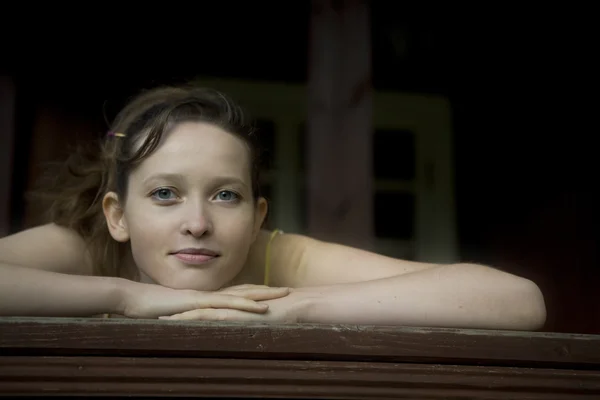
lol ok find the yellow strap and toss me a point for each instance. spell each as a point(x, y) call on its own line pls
point(268, 256)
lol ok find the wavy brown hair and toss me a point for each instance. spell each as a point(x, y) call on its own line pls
point(73, 190)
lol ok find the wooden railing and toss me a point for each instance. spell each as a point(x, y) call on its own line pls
point(119, 357)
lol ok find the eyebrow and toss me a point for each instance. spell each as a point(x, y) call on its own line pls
point(220, 180)
point(165, 177)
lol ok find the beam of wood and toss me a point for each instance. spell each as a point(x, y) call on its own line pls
point(207, 377)
point(125, 357)
point(339, 126)
point(69, 336)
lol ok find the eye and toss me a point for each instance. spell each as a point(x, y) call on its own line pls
point(163, 194)
point(227, 195)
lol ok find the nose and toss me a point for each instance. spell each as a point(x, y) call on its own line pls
point(196, 221)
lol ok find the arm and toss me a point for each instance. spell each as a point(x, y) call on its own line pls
point(44, 271)
point(34, 292)
point(339, 284)
point(451, 296)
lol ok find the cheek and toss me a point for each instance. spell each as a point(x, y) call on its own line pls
point(145, 226)
point(237, 224)
point(236, 232)
point(148, 233)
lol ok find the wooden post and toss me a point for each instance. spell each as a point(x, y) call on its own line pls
point(7, 136)
point(339, 126)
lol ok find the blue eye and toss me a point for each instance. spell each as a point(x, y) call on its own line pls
point(227, 195)
point(163, 194)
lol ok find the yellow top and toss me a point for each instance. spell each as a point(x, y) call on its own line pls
point(268, 256)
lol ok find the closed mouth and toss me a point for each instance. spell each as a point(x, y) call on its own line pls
point(197, 252)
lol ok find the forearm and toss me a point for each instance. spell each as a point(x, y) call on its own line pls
point(31, 292)
point(456, 296)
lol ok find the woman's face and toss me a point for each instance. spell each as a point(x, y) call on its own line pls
point(190, 215)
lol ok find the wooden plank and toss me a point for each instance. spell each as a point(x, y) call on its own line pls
point(125, 376)
point(152, 338)
point(339, 126)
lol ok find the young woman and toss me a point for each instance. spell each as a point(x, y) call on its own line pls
point(163, 220)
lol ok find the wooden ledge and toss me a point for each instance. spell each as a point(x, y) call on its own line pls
point(121, 357)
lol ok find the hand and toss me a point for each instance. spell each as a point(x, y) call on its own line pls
point(290, 309)
point(141, 300)
point(256, 292)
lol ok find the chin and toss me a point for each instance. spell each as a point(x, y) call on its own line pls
point(205, 278)
point(193, 280)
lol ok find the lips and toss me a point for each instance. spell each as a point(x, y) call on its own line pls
point(202, 251)
point(195, 255)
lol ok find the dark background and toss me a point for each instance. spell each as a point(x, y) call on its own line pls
point(518, 80)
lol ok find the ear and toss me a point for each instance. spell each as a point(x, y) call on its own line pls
point(262, 206)
point(115, 217)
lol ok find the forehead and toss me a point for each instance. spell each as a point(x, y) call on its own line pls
point(198, 148)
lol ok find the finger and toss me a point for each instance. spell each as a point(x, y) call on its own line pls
point(212, 314)
point(229, 301)
point(241, 288)
point(234, 288)
point(263, 293)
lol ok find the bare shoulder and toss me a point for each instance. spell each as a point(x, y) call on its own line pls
point(49, 247)
point(300, 261)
